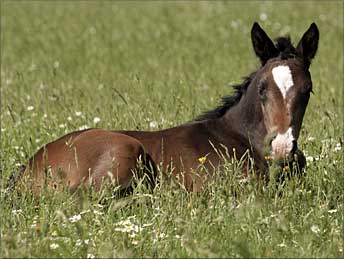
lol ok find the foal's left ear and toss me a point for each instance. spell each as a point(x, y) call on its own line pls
point(308, 44)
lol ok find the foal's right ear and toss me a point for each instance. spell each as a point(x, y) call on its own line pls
point(262, 44)
point(308, 44)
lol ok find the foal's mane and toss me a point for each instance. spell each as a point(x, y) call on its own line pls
point(285, 49)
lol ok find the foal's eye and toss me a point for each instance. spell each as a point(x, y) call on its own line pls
point(262, 90)
point(308, 90)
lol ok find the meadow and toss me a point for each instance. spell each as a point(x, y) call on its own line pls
point(148, 66)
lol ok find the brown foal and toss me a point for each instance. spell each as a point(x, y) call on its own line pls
point(270, 103)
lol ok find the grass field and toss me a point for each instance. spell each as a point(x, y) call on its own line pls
point(134, 65)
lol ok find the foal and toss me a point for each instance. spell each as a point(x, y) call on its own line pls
point(269, 104)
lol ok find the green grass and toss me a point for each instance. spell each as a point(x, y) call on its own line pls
point(133, 63)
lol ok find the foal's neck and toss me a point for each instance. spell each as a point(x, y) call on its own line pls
point(246, 118)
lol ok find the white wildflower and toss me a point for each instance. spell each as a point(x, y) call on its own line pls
point(132, 235)
point(310, 138)
point(309, 159)
point(96, 120)
point(83, 127)
point(22, 154)
point(75, 218)
point(62, 126)
point(129, 226)
point(79, 242)
point(54, 246)
point(338, 147)
point(332, 211)
point(69, 118)
point(97, 212)
point(16, 212)
point(162, 235)
point(315, 229)
point(263, 17)
point(134, 242)
point(30, 108)
point(34, 224)
point(153, 124)
point(78, 114)
point(282, 244)
point(123, 222)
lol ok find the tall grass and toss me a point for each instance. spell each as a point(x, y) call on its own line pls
point(153, 65)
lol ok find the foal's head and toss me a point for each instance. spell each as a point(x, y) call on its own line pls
point(284, 85)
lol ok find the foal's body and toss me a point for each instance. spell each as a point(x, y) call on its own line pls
point(91, 154)
point(270, 103)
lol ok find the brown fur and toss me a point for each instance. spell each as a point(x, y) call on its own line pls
point(92, 155)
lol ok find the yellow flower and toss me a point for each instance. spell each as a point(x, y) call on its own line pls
point(202, 159)
point(268, 158)
point(285, 168)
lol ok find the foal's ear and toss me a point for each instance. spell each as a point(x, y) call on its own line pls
point(308, 45)
point(262, 44)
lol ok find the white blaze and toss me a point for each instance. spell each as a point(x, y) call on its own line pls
point(283, 78)
point(282, 144)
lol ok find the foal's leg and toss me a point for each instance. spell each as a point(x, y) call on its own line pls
point(118, 163)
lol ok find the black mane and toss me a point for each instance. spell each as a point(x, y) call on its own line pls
point(228, 101)
point(285, 50)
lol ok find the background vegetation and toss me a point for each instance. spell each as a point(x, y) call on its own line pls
point(152, 65)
